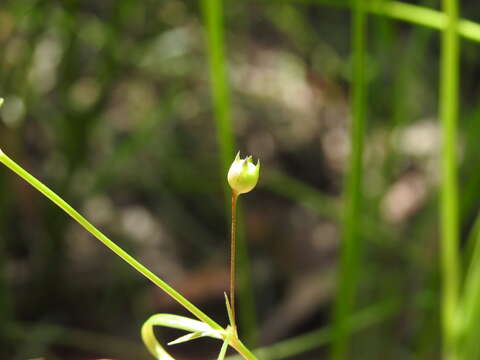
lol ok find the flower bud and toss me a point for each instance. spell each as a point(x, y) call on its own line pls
point(243, 174)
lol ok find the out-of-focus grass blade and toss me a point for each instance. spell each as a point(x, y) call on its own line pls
point(350, 261)
point(470, 309)
point(309, 197)
point(315, 339)
point(398, 10)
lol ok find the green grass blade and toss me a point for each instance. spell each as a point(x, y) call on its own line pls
point(402, 11)
point(213, 14)
point(197, 328)
point(105, 240)
point(470, 314)
point(350, 247)
point(449, 191)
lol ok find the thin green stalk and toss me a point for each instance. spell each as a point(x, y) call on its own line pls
point(233, 253)
point(350, 252)
point(213, 14)
point(449, 191)
point(414, 14)
point(403, 84)
point(105, 240)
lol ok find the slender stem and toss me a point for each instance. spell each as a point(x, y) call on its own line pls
point(350, 252)
point(218, 68)
point(449, 192)
point(105, 240)
point(233, 251)
point(402, 11)
point(242, 349)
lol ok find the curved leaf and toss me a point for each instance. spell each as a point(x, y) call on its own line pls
point(195, 327)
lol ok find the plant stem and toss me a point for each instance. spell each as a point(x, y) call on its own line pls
point(218, 68)
point(449, 191)
point(415, 14)
point(350, 251)
point(12, 165)
point(233, 252)
point(242, 349)
point(213, 14)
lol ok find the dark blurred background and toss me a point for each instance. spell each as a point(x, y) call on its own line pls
point(108, 102)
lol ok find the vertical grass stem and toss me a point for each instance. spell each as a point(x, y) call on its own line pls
point(350, 251)
point(449, 191)
point(233, 253)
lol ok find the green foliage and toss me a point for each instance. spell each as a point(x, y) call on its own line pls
point(195, 328)
point(350, 261)
point(101, 98)
point(449, 93)
point(206, 327)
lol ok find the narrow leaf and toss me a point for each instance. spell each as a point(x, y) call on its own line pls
point(185, 338)
point(229, 310)
point(195, 335)
point(177, 322)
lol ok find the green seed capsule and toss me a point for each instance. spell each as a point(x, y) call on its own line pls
point(243, 174)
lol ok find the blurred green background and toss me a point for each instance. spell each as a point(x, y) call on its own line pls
point(109, 103)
